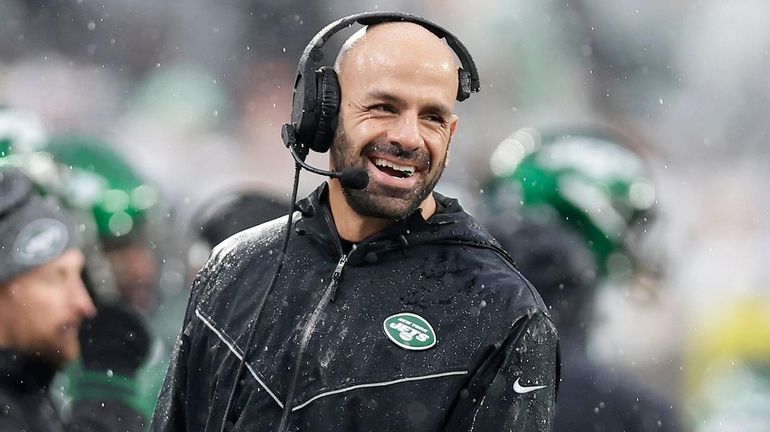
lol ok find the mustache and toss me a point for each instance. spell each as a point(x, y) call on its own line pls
point(417, 156)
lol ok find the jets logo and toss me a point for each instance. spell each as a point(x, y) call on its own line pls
point(409, 331)
point(40, 241)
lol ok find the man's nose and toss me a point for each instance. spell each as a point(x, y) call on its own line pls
point(81, 300)
point(406, 131)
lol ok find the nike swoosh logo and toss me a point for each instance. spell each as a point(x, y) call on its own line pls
point(520, 389)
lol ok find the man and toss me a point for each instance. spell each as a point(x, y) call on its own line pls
point(44, 312)
point(585, 200)
point(94, 174)
point(393, 309)
point(231, 211)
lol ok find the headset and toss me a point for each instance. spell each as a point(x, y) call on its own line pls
point(315, 106)
point(317, 95)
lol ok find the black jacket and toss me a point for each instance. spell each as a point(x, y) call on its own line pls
point(25, 404)
point(322, 353)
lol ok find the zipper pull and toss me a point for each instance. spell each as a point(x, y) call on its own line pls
point(336, 276)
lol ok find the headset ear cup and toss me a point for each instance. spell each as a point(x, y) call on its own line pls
point(464, 84)
point(329, 92)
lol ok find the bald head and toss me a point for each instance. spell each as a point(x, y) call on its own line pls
point(397, 44)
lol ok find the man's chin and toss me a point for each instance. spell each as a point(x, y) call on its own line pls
point(63, 356)
point(380, 206)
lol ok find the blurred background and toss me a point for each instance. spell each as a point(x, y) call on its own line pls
point(193, 94)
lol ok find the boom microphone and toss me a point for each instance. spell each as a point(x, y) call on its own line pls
point(353, 178)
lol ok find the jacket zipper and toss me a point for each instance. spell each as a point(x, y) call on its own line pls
point(336, 276)
point(307, 332)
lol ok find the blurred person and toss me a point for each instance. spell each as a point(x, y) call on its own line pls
point(122, 217)
point(390, 308)
point(570, 207)
point(135, 240)
point(229, 212)
point(47, 318)
point(23, 138)
point(98, 180)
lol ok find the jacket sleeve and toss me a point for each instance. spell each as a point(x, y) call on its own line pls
point(515, 383)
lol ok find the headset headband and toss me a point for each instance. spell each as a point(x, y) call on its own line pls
point(305, 89)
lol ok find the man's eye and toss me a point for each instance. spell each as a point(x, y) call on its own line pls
point(436, 119)
point(382, 108)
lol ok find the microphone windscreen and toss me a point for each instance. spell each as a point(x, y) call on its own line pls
point(354, 178)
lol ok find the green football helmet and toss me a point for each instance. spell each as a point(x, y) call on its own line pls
point(586, 178)
point(96, 177)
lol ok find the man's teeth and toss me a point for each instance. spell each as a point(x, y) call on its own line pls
point(407, 170)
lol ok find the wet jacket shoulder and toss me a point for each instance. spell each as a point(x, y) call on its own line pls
point(425, 326)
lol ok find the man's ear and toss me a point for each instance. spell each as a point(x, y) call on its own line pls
point(338, 133)
point(453, 122)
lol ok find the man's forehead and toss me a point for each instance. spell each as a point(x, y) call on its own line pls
point(72, 259)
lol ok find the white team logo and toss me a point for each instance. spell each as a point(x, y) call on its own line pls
point(40, 241)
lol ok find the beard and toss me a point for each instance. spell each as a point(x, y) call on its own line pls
point(379, 200)
point(56, 350)
point(67, 352)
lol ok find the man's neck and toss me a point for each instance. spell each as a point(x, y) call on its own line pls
point(355, 227)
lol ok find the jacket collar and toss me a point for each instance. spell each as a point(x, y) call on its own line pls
point(25, 373)
point(450, 223)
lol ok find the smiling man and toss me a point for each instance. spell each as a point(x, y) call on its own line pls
point(393, 309)
point(396, 120)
